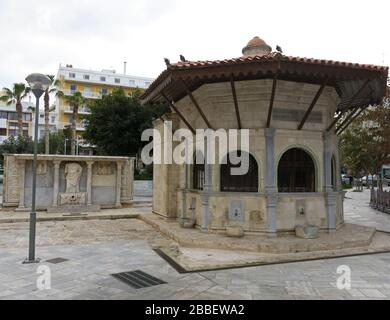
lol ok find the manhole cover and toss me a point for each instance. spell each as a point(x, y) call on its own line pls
point(138, 279)
point(57, 260)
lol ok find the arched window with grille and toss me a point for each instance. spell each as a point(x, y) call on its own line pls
point(248, 182)
point(296, 172)
point(198, 171)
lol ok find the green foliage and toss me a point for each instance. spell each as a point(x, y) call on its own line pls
point(365, 145)
point(346, 186)
point(25, 145)
point(18, 92)
point(145, 174)
point(117, 121)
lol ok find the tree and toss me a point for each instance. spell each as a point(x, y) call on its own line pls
point(16, 145)
point(117, 121)
point(75, 101)
point(51, 90)
point(15, 96)
point(23, 144)
point(365, 145)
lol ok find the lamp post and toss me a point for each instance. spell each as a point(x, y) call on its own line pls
point(38, 84)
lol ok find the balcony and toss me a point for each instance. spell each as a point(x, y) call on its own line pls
point(86, 94)
point(3, 123)
point(52, 120)
point(79, 126)
point(82, 110)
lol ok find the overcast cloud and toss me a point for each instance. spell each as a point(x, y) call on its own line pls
point(36, 36)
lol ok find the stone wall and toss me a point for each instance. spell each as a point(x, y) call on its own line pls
point(173, 196)
point(105, 182)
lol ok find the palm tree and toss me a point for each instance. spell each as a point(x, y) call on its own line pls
point(52, 89)
point(15, 96)
point(75, 101)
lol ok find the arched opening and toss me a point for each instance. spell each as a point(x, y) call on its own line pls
point(296, 172)
point(248, 182)
point(198, 171)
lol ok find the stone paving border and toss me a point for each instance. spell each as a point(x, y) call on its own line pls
point(349, 236)
point(188, 264)
point(109, 214)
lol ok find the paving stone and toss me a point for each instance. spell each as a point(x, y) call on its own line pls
point(126, 245)
point(373, 293)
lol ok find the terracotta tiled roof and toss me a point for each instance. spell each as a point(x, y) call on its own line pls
point(306, 69)
point(273, 57)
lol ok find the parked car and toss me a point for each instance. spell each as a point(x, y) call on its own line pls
point(346, 179)
point(369, 179)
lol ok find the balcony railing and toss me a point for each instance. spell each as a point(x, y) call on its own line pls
point(82, 110)
point(3, 123)
point(86, 94)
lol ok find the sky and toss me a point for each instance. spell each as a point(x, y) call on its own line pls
point(36, 36)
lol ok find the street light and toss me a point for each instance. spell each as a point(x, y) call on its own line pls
point(38, 83)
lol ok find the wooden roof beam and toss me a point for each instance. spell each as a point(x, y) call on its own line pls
point(312, 105)
point(349, 105)
point(351, 120)
point(234, 93)
point(178, 112)
point(350, 115)
point(271, 103)
point(189, 93)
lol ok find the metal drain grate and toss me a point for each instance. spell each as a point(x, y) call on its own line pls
point(138, 279)
point(57, 260)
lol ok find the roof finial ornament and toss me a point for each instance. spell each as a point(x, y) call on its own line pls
point(182, 58)
point(256, 47)
point(279, 49)
point(167, 62)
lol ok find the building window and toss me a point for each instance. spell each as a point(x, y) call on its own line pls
point(72, 75)
point(86, 77)
point(296, 172)
point(73, 88)
point(103, 79)
point(132, 83)
point(3, 114)
point(117, 80)
point(12, 116)
point(248, 182)
point(87, 91)
point(198, 171)
point(104, 91)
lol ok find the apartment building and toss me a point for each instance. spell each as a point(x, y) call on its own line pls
point(9, 120)
point(92, 85)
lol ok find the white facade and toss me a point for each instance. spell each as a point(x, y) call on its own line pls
point(104, 77)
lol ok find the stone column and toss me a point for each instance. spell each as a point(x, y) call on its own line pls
point(118, 184)
point(208, 185)
point(89, 182)
point(330, 195)
point(271, 189)
point(56, 181)
point(22, 179)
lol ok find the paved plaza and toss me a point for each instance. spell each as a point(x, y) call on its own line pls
point(98, 248)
